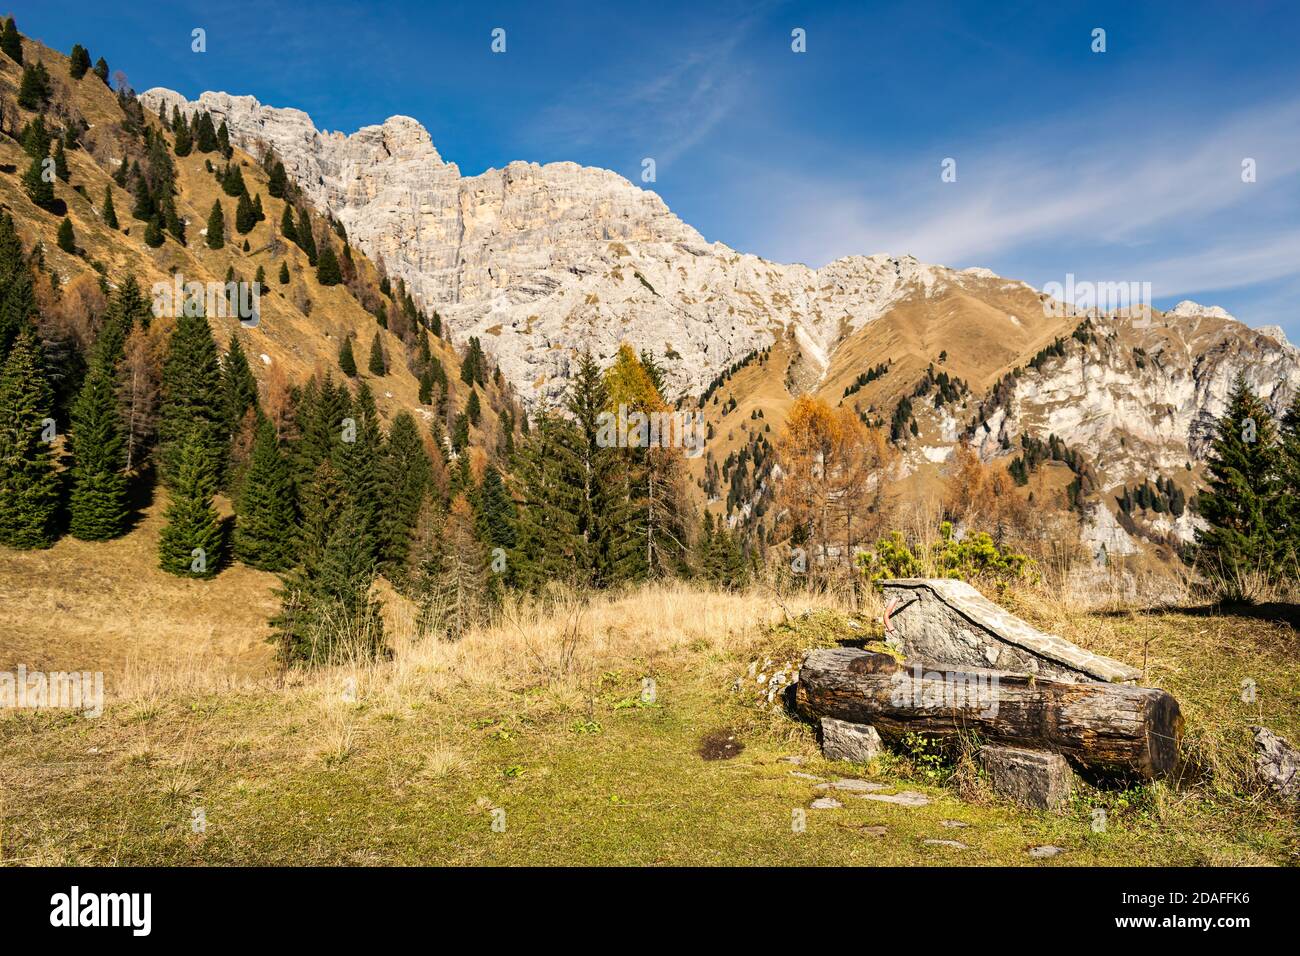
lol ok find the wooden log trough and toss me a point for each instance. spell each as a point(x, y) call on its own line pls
point(1104, 727)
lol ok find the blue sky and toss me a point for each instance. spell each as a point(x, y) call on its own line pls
point(1117, 166)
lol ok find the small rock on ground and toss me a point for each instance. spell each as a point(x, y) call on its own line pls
point(804, 776)
point(953, 824)
point(856, 786)
point(952, 843)
point(826, 803)
point(908, 798)
point(1045, 852)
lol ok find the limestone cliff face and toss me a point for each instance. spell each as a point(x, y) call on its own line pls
point(542, 262)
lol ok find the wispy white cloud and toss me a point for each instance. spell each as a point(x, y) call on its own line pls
point(660, 107)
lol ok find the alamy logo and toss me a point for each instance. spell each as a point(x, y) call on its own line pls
point(1074, 297)
point(636, 429)
point(945, 690)
point(240, 300)
point(75, 908)
point(58, 690)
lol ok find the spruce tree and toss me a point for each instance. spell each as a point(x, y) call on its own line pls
point(61, 162)
point(1240, 506)
point(264, 512)
point(79, 61)
point(245, 218)
point(36, 139)
point(232, 183)
point(101, 70)
point(405, 476)
point(305, 238)
point(547, 544)
point(496, 511)
point(107, 212)
point(191, 397)
point(153, 234)
point(287, 228)
point(184, 139)
point(347, 361)
point(11, 42)
point(40, 190)
point(327, 614)
point(190, 543)
point(17, 297)
point(34, 87)
point(67, 239)
point(29, 494)
point(1289, 492)
point(216, 226)
point(97, 503)
point(327, 267)
point(238, 386)
point(205, 135)
point(359, 465)
point(426, 387)
point(376, 363)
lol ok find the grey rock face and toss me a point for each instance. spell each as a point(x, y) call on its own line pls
point(855, 743)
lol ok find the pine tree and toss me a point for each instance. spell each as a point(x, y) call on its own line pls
point(98, 500)
point(34, 87)
point(35, 138)
point(28, 484)
point(278, 182)
point(496, 511)
point(39, 189)
point(101, 70)
point(232, 183)
point(548, 546)
point(287, 228)
point(238, 386)
point(79, 61)
point(327, 614)
point(61, 162)
point(359, 465)
point(376, 364)
point(265, 518)
point(327, 267)
point(11, 42)
point(223, 140)
point(284, 273)
point(1240, 506)
point(1288, 558)
point(184, 139)
point(153, 234)
point(67, 239)
point(473, 408)
point(245, 217)
point(17, 297)
point(107, 212)
point(144, 207)
point(453, 580)
point(347, 361)
point(205, 134)
point(305, 237)
point(216, 226)
point(426, 387)
point(190, 543)
point(405, 476)
point(191, 397)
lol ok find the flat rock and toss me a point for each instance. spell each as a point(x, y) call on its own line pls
point(854, 786)
point(1045, 852)
point(825, 803)
point(854, 743)
point(804, 776)
point(955, 844)
point(791, 758)
point(953, 824)
point(908, 798)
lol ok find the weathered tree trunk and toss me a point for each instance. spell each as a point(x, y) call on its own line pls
point(1106, 727)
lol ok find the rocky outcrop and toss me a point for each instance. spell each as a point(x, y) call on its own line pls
point(542, 262)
